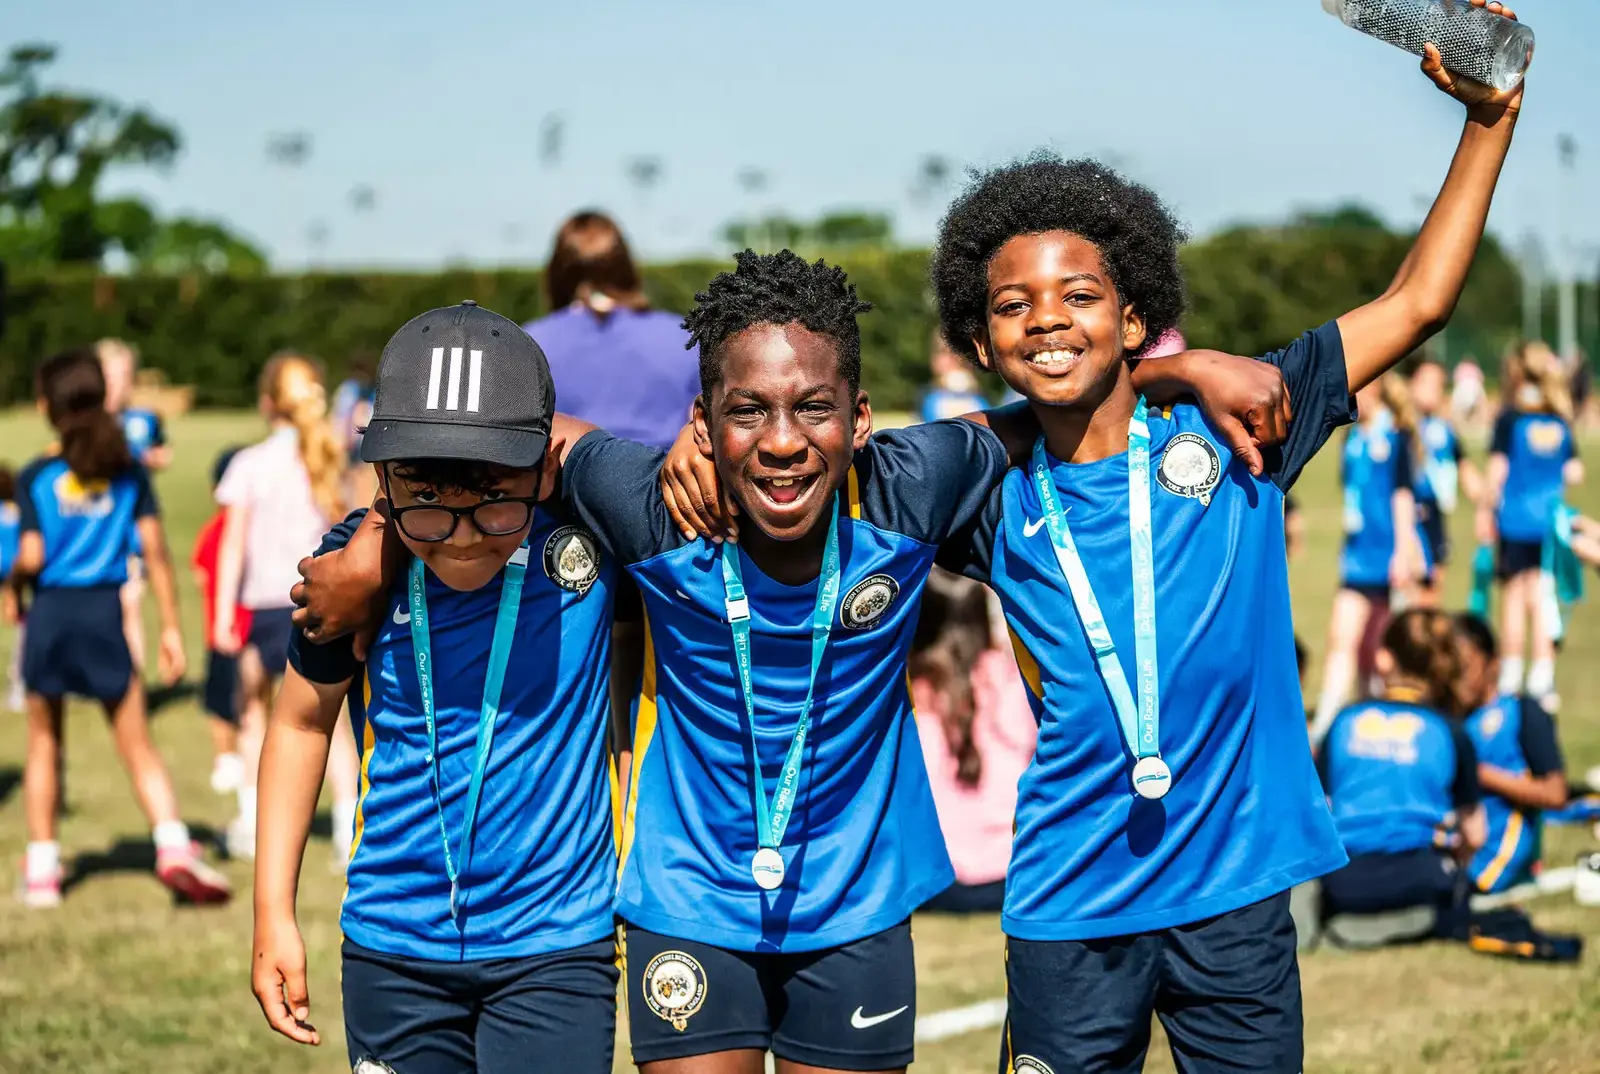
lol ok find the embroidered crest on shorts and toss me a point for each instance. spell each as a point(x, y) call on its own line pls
point(674, 987)
point(865, 605)
point(572, 559)
point(368, 1065)
point(1190, 467)
point(1027, 1064)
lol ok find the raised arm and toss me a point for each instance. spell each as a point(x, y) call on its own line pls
point(1424, 292)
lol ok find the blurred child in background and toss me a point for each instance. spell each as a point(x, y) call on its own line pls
point(1383, 555)
point(1519, 765)
point(220, 695)
point(349, 413)
point(278, 498)
point(147, 440)
point(1445, 472)
point(954, 389)
point(978, 734)
point(1533, 456)
point(10, 530)
point(1402, 779)
point(79, 511)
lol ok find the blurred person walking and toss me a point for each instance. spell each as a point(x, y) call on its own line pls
point(1445, 474)
point(278, 497)
point(953, 390)
point(617, 363)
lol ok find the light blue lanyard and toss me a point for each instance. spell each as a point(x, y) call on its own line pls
point(771, 821)
point(505, 625)
point(1141, 725)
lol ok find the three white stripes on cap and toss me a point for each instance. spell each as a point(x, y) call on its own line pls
point(452, 397)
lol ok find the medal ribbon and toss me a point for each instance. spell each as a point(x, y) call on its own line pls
point(1141, 723)
point(773, 820)
point(505, 625)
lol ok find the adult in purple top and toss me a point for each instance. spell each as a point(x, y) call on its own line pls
point(616, 362)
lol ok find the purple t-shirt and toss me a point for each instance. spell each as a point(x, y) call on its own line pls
point(629, 373)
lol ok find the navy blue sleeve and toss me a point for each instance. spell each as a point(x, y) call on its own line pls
point(614, 486)
point(333, 661)
point(970, 550)
point(158, 430)
point(1319, 393)
point(1457, 453)
point(1405, 460)
point(1464, 791)
point(1540, 748)
point(1500, 439)
point(929, 481)
point(144, 502)
point(27, 510)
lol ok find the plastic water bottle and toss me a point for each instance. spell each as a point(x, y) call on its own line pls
point(1472, 41)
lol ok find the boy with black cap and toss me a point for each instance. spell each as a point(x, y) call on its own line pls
point(454, 959)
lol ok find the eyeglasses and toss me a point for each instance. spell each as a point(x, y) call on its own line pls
point(434, 522)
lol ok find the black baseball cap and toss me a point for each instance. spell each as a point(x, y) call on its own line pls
point(461, 382)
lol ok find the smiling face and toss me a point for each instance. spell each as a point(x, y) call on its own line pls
point(1057, 331)
point(782, 425)
point(469, 558)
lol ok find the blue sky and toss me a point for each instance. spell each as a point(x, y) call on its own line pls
point(1239, 111)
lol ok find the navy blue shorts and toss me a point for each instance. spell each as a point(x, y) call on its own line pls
point(270, 629)
point(1375, 883)
point(851, 1007)
point(1227, 991)
point(1434, 532)
point(1515, 557)
point(74, 644)
point(1376, 594)
point(221, 691)
point(548, 1012)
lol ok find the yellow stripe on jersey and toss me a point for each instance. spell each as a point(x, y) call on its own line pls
point(366, 760)
point(853, 494)
point(1027, 665)
point(644, 731)
point(1502, 857)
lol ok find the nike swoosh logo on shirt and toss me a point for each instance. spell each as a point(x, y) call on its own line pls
point(402, 617)
point(1031, 528)
point(859, 1022)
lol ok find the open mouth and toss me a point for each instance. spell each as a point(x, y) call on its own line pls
point(1055, 360)
point(785, 492)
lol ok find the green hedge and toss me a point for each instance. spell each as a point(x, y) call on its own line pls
point(1252, 290)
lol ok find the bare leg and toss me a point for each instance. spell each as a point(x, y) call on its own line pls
point(1513, 632)
point(224, 737)
point(1346, 625)
point(786, 1067)
point(130, 728)
point(132, 594)
point(742, 1061)
point(41, 785)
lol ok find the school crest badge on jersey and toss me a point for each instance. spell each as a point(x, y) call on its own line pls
point(368, 1065)
point(1190, 467)
point(572, 559)
point(865, 605)
point(1545, 437)
point(675, 987)
point(1027, 1064)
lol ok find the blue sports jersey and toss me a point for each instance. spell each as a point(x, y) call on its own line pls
point(1378, 460)
point(1536, 447)
point(1244, 818)
point(544, 863)
point(863, 848)
point(1517, 735)
point(1394, 772)
point(10, 534)
point(89, 529)
point(1439, 479)
point(143, 431)
point(940, 404)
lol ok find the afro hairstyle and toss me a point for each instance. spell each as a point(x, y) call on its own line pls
point(777, 289)
point(1137, 236)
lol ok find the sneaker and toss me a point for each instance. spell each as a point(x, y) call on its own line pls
point(40, 892)
point(190, 878)
point(227, 772)
point(240, 839)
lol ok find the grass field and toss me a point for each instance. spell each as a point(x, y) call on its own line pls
point(119, 981)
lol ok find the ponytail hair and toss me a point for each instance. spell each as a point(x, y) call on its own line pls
point(292, 385)
point(73, 389)
point(1427, 646)
point(952, 633)
point(1533, 365)
point(1396, 394)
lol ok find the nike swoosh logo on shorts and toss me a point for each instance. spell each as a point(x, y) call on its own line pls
point(867, 1023)
point(402, 617)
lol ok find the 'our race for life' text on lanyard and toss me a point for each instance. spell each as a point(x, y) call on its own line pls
point(1141, 724)
point(505, 625)
point(767, 866)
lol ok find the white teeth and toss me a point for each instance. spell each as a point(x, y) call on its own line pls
point(1055, 357)
point(782, 482)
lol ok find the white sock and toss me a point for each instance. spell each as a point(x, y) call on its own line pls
point(1511, 675)
point(1336, 676)
point(247, 805)
point(344, 826)
point(43, 859)
point(171, 835)
point(1542, 678)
